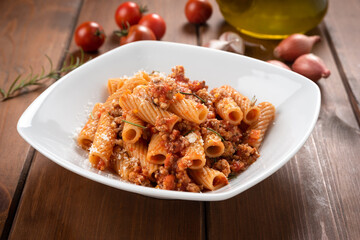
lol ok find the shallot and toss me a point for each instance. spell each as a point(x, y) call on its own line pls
point(279, 63)
point(311, 66)
point(294, 46)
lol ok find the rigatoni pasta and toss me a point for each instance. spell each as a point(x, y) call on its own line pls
point(213, 145)
point(157, 151)
point(229, 110)
point(104, 141)
point(250, 111)
point(210, 178)
point(139, 151)
point(87, 134)
point(189, 110)
point(114, 84)
point(258, 129)
point(168, 132)
point(194, 157)
point(146, 110)
point(133, 128)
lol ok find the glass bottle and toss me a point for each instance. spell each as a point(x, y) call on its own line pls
point(273, 19)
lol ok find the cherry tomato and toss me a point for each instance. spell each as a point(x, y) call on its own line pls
point(89, 36)
point(137, 33)
point(128, 13)
point(198, 11)
point(155, 23)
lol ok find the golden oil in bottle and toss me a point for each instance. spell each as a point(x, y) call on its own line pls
point(273, 19)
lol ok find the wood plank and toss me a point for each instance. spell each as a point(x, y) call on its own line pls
point(59, 204)
point(314, 195)
point(342, 22)
point(28, 30)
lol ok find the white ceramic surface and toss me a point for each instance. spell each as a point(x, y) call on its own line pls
point(52, 121)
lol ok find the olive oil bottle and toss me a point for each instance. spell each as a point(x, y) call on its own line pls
point(273, 19)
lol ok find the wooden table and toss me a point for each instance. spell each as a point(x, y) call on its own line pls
point(314, 196)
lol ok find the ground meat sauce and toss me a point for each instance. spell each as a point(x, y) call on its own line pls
point(176, 143)
point(173, 174)
point(228, 131)
point(162, 91)
point(178, 73)
point(162, 124)
point(223, 166)
point(235, 158)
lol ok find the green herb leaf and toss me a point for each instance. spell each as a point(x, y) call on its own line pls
point(188, 132)
point(212, 130)
point(92, 116)
point(193, 95)
point(133, 124)
point(34, 79)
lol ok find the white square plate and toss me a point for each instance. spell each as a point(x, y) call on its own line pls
point(51, 122)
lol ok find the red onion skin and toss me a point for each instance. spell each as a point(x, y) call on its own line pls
point(294, 46)
point(279, 63)
point(311, 66)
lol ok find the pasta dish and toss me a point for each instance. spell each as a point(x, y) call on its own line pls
point(170, 132)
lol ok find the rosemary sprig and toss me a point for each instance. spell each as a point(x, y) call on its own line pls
point(35, 79)
point(212, 130)
point(185, 93)
point(133, 124)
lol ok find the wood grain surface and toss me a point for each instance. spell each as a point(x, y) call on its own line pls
point(59, 204)
point(314, 196)
point(26, 36)
point(309, 197)
point(344, 35)
point(112, 212)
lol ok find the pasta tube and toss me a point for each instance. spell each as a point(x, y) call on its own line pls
point(195, 152)
point(117, 162)
point(213, 146)
point(189, 110)
point(146, 111)
point(104, 142)
point(142, 75)
point(210, 178)
point(258, 129)
point(87, 134)
point(114, 84)
point(139, 150)
point(156, 152)
point(132, 133)
point(229, 110)
point(251, 113)
point(128, 85)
